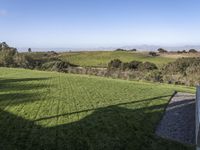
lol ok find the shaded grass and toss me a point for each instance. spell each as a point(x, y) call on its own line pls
point(44, 110)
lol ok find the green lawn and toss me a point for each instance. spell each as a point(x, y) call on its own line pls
point(102, 58)
point(55, 111)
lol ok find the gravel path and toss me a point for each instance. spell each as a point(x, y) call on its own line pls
point(178, 122)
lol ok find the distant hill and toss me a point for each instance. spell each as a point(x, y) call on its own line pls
point(111, 48)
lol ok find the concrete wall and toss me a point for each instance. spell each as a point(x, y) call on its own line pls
point(198, 118)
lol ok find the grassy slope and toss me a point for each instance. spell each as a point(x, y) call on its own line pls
point(101, 58)
point(44, 110)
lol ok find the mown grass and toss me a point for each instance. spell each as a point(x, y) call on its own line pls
point(45, 110)
point(102, 58)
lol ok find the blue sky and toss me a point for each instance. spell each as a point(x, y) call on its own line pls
point(96, 23)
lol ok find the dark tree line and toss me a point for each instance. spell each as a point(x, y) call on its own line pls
point(133, 65)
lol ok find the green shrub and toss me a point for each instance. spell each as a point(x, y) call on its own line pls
point(133, 50)
point(124, 66)
point(183, 71)
point(116, 63)
point(153, 54)
point(154, 75)
point(7, 55)
point(59, 66)
point(22, 61)
point(147, 66)
point(181, 65)
point(161, 50)
point(193, 51)
point(134, 64)
point(120, 49)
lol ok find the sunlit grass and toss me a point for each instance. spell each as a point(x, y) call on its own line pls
point(102, 58)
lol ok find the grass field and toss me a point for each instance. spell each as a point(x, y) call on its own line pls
point(102, 58)
point(48, 111)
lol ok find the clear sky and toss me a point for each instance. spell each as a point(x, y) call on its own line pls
point(93, 23)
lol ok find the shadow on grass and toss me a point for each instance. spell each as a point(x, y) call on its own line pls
point(111, 128)
point(11, 90)
point(119, 104)
point(107, 128)
point(7, 81)
point(7, 85)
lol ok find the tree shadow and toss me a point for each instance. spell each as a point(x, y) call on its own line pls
point(7, 85)
point(118, 104)
point(6, 81)
point(11, 90)
point(114, 127)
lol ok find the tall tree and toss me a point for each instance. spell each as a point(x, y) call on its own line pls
point(29, 50)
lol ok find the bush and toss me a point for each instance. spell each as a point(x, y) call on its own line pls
point(7, 55)
point(153, 54)
point(183, 71)
point(192, 51)
point(184, 51)
point(23, 61)
point(124, 66)
point(134, 64)
point(59, 66)
point(147, 66)
point(120, 49)
point(116, 63)
point(154, 75)
point(181, 65)
point(161, 50)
